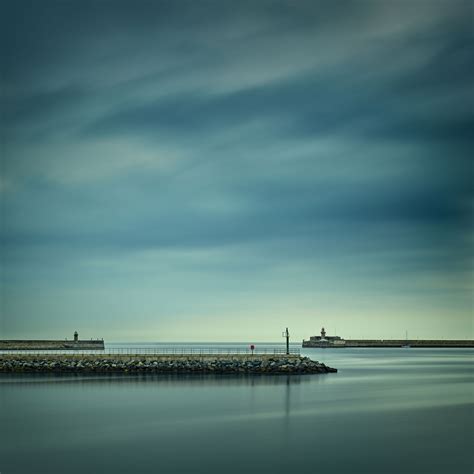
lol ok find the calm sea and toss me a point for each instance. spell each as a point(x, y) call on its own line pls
point(385, 411)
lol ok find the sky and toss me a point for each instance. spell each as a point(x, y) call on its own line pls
point(222, 170)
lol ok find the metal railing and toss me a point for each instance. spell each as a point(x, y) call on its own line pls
point(157, 351)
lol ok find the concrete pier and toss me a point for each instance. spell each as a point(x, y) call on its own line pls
point(418, 343)
point(325, 341)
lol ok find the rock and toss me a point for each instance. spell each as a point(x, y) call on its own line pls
point(233, 365)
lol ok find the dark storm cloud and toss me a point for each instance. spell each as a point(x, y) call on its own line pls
point(274, 209)
point(27, 109)
point(355, 97)
point(361, 93)
point(311, 106)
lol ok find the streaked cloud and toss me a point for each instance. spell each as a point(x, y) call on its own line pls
point(208, 163)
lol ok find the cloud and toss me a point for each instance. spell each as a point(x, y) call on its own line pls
point(236, 148)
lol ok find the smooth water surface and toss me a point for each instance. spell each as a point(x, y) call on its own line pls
point(386, 411)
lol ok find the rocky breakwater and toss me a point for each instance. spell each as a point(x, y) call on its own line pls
point(157, 364)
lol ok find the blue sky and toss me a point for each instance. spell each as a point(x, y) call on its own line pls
point(218, 171)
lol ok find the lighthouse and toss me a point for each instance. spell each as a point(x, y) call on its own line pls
point(324, 341)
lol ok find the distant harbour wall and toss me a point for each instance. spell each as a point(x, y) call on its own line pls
point(25, 345)
point(418, 343)
point(130, 363)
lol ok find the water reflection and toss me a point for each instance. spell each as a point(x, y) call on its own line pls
point(174, 380)
point(377, 411)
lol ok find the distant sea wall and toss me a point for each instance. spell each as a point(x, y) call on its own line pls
point(128, 363)
point(411, 343)
point(426, 343)
point(22, 345)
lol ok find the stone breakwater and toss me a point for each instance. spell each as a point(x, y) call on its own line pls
point(162, 364)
